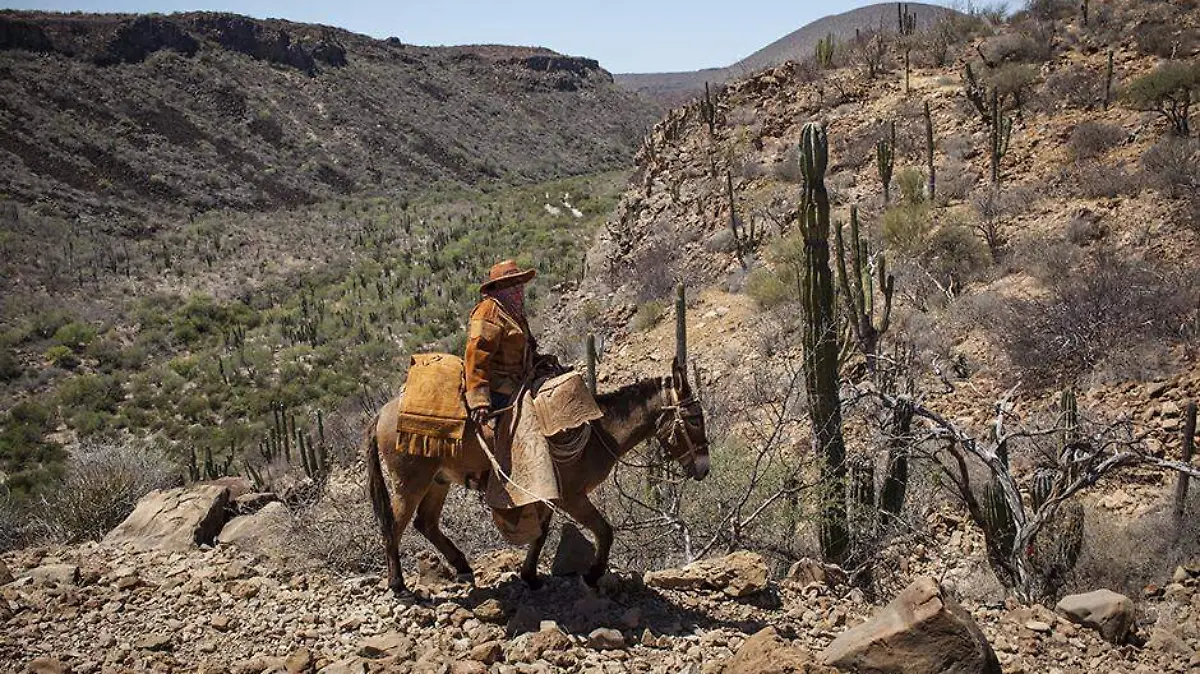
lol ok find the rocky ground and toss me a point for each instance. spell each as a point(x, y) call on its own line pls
point(114, 607)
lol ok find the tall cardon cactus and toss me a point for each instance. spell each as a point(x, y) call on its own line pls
point(821, 343)
point(885, 160)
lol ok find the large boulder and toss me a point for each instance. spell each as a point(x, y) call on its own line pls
point(766, 653)
point(1107, 612)
point(921, 632)
point(738, 575)
point(264, 530)
point(174, 519)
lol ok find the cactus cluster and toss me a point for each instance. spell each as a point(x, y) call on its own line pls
point(283, 436)
point(821, 342)
point(708, 110)
point(885, 160)
point(857, 272)
point(825, 50)
point(906, 22)
point(210, 469)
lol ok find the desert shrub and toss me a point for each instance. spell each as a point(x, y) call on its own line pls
point(10, 366)
point(1075, 87)
point(27, 457)
point(1099, 180)
point(1164, 39)
point(905, 225)
point(1114, 304)
point(1127, 556)
point(954, 256)
point(959, 146)
point(1168, 90)
point(1048, 10)
point(911, 183)
point(61, 356)
point(1173, 166)
point(1013, 81)
point(1018, 47)
point(1092, 139)
point(653, 271)
point(769, 288)
point(955, 181)
point(100, 486)
point(75, 335)
point(1084, 231)
point(647, 315)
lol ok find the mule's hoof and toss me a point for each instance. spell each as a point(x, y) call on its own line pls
point(533, 582)
point(465, 577)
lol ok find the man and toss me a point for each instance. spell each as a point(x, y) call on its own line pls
point(500, 348)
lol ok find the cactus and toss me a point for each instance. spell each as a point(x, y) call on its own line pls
point(929, 153)
point(681, 326)
point(708, 111)
point(895, 483)
point(998, 520)
point(1042, 488)
point(858, 288)
point(824, 51)
point(976, 93)
point(733, 217)
point(1001, 133)
point(885, 159)
point(907, 72)
point(1083, 8)
point(821, 343)
point(591, 362)
point(906, 22)
point(1189, 444)
point(1108, 81)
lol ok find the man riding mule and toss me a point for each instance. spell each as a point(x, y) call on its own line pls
point(408, 483)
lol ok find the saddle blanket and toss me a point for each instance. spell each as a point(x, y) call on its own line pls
point(433, 414)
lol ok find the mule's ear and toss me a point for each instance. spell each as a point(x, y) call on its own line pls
point(679, 378)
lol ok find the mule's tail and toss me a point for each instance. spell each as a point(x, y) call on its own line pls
point(380, 500)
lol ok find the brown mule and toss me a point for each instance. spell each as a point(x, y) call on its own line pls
point(416, 486)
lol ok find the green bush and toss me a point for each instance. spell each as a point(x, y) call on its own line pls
point(912, 183)
point(10, 366)
point(954, 255)
point(1167, 90)
point(906, 225)
point(769, 288)
point(61, 356)
point(90, 392)
point(647, 315)
point(75, 335)
point(27, 458)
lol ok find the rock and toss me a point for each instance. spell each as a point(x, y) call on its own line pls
point(489, 652)
point(352, 665)
point(54, 574)
point(6, 576)
point(431, 571)
point(738, 575)
point(157, 641)
point(1105, 611)
point(248, 504)
point(1157, 389)
point(385, 645)
point(574, 554)
point(606, 639)
point(921, 631)
point(300, 662)
point(766, 653)
point(221, 623)
point(1166, 641)
point(1038, 626)
point(263, 530)
point(468, 667)
point(490, 611)
point(46, 666)
point(548, 640)
point(1181, 575)
point(808, 571)
point(174, 519)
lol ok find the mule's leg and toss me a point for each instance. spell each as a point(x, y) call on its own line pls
point(411, 477)
point(529, 572)
point(428, 522)
point(581, 510)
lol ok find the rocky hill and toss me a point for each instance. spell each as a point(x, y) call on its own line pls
point(799, 45)
point(116, 115)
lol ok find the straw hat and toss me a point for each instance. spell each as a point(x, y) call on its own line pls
point(506, 273)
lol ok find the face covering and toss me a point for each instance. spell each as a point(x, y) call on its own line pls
point(512, 299)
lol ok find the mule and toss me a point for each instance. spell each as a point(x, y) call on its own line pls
point(416, 486)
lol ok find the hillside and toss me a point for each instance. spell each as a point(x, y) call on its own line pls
point(799, 45)
point(121, 117)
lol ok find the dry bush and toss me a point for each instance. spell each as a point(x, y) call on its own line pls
point(1084, 231)
point(1114, 303)
point(1092, 139)
point(1029, 46)
point(1165, 39)
point(1126, 558)
point(955, 181)
point(1173, 166)
point(959, 147)
point(338, 527)
point(1098, 180)
point(1073, 86)
point(101, 486)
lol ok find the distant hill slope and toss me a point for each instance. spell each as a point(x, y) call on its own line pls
point(146, 114)
point(674, 88)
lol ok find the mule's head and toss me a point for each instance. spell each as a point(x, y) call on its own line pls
point(680, 426)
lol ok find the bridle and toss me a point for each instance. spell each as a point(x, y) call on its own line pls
point(673, 422)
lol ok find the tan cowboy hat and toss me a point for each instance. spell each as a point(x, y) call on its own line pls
point(506, 273)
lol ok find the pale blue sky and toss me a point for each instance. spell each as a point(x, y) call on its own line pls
point(624, 35)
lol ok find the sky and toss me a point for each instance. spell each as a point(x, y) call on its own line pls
point(624, 35)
